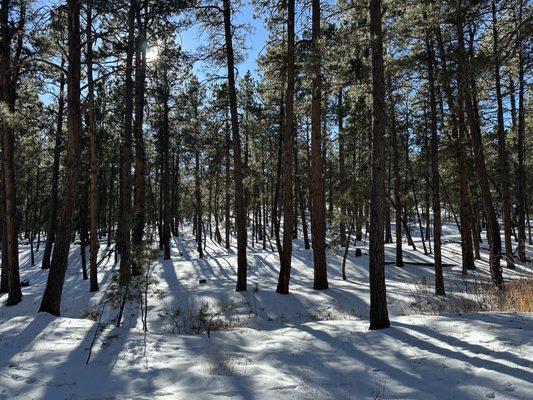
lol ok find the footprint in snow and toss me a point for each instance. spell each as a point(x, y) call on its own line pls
point(16, 377)
point(509, 387)
point(490, 395)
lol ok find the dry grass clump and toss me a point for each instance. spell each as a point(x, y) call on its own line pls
point(518, 296)
point(205, 318)
point(472, 295)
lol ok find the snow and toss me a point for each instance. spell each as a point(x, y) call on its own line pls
point(306, 345)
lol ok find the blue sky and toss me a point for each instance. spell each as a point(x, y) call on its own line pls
point(255, 42)
point(190, 40)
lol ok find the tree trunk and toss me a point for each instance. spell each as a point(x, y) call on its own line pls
point(8, 82)
point(288, 149)
point(94, 157)
point(126, 217)
point(435, 183)
point(240, 211)
point(53, 204)
point(458, 132)
point(218, 237)
point(397, 183)
point(51, 301)
point(388, 228)
point(82, 216)
point(415, 199)
point(343, 184)
point(227, 225)
point(111, 204)
point(346, 249)
point(263, 198)
point(502, 151)
point(301, 200)
point(140, 78)
point(166, 212)
point(275, 202)
point(493, 228)
point(177, 211)
point(4, 278)
point(521, 148)
point(34, 222)
point(379, 317)
point(318, 218)
point(198, 204)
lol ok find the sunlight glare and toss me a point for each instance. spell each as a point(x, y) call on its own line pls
point(152, 54)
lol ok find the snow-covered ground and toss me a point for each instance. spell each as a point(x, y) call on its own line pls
point(306, 345)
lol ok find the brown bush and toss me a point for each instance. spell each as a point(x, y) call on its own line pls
point(473, 295)
point(518, 296)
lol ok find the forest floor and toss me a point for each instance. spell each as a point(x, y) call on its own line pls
point(206, 341)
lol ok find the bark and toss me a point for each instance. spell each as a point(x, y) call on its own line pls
point(38, 226)
point(94, 157)
point(82, 216)
point(476, 231)
point(301, 200)
point(529, 226)
point(8, 80)
point(218, 236)
point(166, 212)
point(227, 225)
point(160, 207)
point(264, 198)
point(288, 149)
point(397, 183)
point(435, 183)
point(502, 151)
point(54, 201)
point(140, 78)
point(346, 249)
point(388, 179)
point(210, 206)
point(111, 204)
point(51, 301)
point(520, 172)
point(177, 216)
point(318, 217)
point(240, 210)
point(275, 202)
point(388, 228)
point(198, 204)
point(512, 100)
point(458, 132)
point(34, 221)
point(126, 217)
point(4, 278)
point(415, 199)
point(343, 184)
point(379, 317)
point(465, 90)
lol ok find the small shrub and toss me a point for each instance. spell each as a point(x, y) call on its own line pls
point(228, 307)
point(205, 319)
point(518, 296)
point(474, 295)
point(92, 314)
